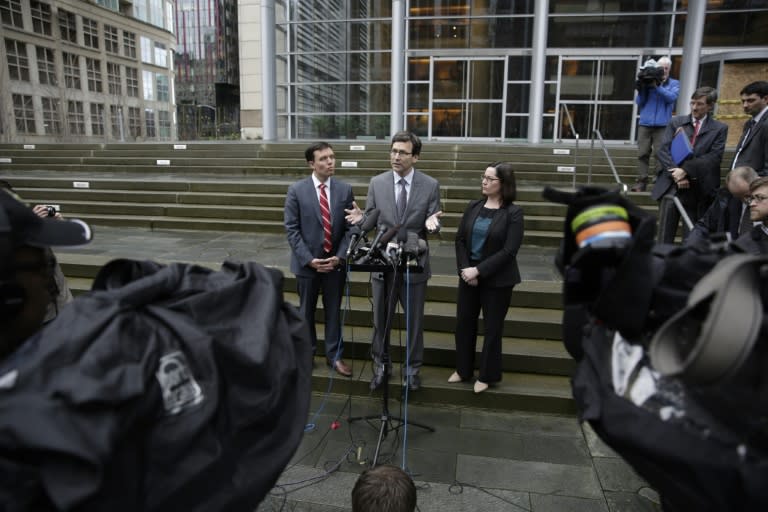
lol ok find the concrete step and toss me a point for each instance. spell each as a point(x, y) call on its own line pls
point(516, 391)
point(532, 329)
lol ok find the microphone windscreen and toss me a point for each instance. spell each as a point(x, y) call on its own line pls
point(370, 220)
point(389, 235)
point(412, 243)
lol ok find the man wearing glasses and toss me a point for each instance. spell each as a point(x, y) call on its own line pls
point(756, 240)
point(408, 200)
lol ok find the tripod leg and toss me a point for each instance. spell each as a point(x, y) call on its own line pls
point(383, 429)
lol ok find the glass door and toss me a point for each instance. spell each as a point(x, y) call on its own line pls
point(598, 94)
point(466, 98)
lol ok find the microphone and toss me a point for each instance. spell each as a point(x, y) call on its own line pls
point(382, 239)
point(415, 246)
point(392, 254)
point(359, 230)
point(379, 234)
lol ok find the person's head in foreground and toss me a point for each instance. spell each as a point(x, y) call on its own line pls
point(384, 489)
point(26, 268)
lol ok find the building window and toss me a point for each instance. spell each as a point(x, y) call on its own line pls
point(10, 13)
point(134, 122)
point(93, 68)
point(51, 116)
point(46, 66)
point(164, 124)
point(90, 33)
point(148, 83)
point(24, 112)
point(132, 81)
point(18, 62)
point(41, 17)
point(97, 118)
point(146, 49)
point(149, 119)
point(111, 39)
point(116, 121)
point(75, 117)
point(161, 55)
point(68, 26)
point(129, 44)
point(71, 70)
point(113, 79)
point(163, 90)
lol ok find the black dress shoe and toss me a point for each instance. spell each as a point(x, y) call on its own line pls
point(376, 381)
point(413, 382)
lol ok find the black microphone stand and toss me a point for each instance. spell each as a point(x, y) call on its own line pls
point(388, 422)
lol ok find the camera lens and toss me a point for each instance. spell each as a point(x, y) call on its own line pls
point(51, 211)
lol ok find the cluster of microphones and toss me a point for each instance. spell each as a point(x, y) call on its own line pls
point(390, 246)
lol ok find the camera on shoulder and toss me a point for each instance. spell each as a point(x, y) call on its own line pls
point(650, 73)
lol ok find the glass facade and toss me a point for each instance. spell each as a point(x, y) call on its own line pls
point(468, 66)
point(207, 69)
point(334, 74)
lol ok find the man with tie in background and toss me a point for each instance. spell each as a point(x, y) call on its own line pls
point(318, 235)
point(752, 149)
point(695, 179)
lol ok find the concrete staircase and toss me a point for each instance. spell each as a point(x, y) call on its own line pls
point(240, 188)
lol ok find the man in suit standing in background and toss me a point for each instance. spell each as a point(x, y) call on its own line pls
point(318, 235)
point(409, 200)
point(752, 149)
point(695, 179)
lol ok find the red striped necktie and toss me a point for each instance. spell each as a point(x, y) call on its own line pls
point(696, 128)
point(325, 211)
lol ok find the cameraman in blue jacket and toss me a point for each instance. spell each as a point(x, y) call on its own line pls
point(656, 97)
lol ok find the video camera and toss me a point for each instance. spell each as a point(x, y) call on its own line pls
point(671, 344)
point(650, 74)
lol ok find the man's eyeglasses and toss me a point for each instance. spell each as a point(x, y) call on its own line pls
point(399, 153)
point(483, 177)
point(757, 198)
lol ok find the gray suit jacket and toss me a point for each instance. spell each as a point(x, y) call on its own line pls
point(754, 152)
point(304, 223)
point(423, 201)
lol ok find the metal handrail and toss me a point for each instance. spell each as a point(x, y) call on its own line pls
point(575, 134)
point(624, 188)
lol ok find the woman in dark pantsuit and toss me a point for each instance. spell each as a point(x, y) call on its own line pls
point(487, 242)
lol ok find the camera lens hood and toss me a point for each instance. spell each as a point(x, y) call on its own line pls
point(711, 338)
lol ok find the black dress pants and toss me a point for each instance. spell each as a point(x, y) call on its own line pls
point(493, 302)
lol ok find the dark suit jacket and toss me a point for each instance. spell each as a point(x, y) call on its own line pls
point(498, 266)
point(754, 152)
point(753, 242)
point(703, 167)
point(423, 201)
point(304, 223)
point(723, 216)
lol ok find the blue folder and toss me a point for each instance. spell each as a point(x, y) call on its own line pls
point(681, 148)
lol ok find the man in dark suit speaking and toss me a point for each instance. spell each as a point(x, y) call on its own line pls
point(695, 179)
point(318, 235)
point(409, 200)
